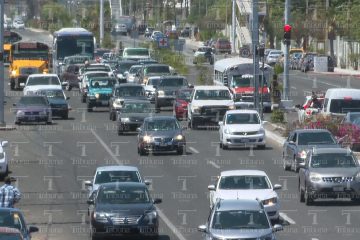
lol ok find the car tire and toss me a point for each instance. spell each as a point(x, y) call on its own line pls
point(83, 99)
point(89, 108)
point(285, 165)
point(112, 116)
point(221, 144)
point(17, 123)
point(225, 147)
point(180, 150)
point(12, 85)
point(142, 152)
point(301, 194)
point(157, 107)
point(193, 125)
point(308, 198)
point(68, 87)
point(262, 146)
point(65, 115)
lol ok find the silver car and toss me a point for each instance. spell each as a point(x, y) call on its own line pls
point(329, 173)
point(238, 219)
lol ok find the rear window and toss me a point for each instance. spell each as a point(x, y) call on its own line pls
point(157, 69)
point(344, 105)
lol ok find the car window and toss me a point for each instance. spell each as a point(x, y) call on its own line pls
point(172, 82)
point(116, 176)
point(333, 160)
point(136, 108)
point(212, 95)
point(244, 182)
point(129, 91)
point(123, 195)
point(242, 118)
point(309, 138)
point(240, 219)
point(46, 80)
point(161, 125)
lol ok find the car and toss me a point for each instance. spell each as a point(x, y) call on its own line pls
point(122, 92)
point(352, 118)
point(203, 54)
point(113, 173)
point(208, 104)
point(18, 24)
point(329, 173)
point(242, 127)
point(14, 218)
point(32, 109)
point(186, 32)
point(161, 134)
point(181, 103)
point(131, 73)
point(299, 140)
point(273, 57)
point(156, 35)
point(239, 219)
point(4, 166)
point(99, 92)
point(84, 85)
point(132, 115)
point(166, 90)
point(10, 233)
point(154, 69)
point(247, 184)
point(58, 101)
point(307, 62)
point(122, 209)
point(96, 67)
point(148, 32)
point(150, 87)
point(121, 28)
point(122, 68)
point(78, 60)
point(70, 77)
point(221, 46)
point(38, 81)
point(136, 53)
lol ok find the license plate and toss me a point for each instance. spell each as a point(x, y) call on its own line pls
point(244, 140)
point(104, 102)
point(338, 189)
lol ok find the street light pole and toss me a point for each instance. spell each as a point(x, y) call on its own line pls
point(2, 90)
point(101, 21)
point(255, 43)
point(233, 29)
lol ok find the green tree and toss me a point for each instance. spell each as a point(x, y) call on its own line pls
point(56, 16)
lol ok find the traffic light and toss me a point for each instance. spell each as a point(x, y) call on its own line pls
point(287, 34)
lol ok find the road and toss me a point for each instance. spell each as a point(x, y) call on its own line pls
point(50, 163)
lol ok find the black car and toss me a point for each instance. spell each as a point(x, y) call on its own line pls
point(58, 102)
point(161, 134)
point(120, 93)
point(123, 209)
point(165, 91)
point(132, 115)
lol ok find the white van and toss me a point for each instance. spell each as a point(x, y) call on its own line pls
point(339, 101)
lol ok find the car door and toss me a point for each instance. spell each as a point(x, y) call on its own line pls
point(212, 194)
point(304, 172)
point(221, 127)
point(286, 146)
point(292, 147)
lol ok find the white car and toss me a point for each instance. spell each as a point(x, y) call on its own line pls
point(273, 57)
point(40, 81)
point(131, 74)
point(4, 167)
point(150, 87)
point(247, 184)
point(121, 28)
point(203, 54)
point(18, 24)
point(242, 127)
point(115, 173)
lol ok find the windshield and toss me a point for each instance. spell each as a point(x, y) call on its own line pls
point(72, 45)
point(136, 108)
point(161, 125)
point(116, 176)
point(44, 80)
point(154, 81)
point(123, 195)
point(105, 83)
point(130, 91)
point(212, 95)
point(157, 69)
point(310, 138)
point(136, 52)
point(344, 105)
point(97, 68)
point(34, 100)
point(172, 82)
point(240, 219)
point(53, 94)
point(13, 220)
point(31, 54)
point(134, 70)
point(333, 160)
point(244, 182)
point(184, 95)
point(242, 118)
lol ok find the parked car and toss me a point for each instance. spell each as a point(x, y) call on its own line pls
point(221, 46)
point(181, 102)
point(242, 128)
point(247, 184)
point(299, 140)
point(123, 209)
point(239, 219)
point(32, 109)
point(132, 114)
point(203, 54)
point(329, 173)
point(161, 134)
point(4, 166)
point(58, 102)
point(99, 92)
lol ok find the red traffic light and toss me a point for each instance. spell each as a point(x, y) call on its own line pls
point(287, 28)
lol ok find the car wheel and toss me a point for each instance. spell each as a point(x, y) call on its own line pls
point(180, 150)
point(12, 85)
point(49, 122)
point(112, 116)
point(307, 197)
point(89, 108)
point(120, 131)
point(68, 87)
point(142, 152)
point(301, 193)
point(225, 147)
point(193, 125)
point(17, 122)
point(157, 107)
point(83, 99)
point(262, 146)
point(286, 166)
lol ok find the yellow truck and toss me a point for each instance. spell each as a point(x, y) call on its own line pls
point(27, 58)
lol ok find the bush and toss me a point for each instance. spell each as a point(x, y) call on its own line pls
point(277, 116)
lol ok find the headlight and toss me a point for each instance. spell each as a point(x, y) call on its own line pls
point(232, 107)
point(100, 217)
point(97, 95)
point(125, 119)
point(161, 93)
point(314, 177)
point(150, 217)
point(13, 72)
point(20, 113)
point(179, 137)
point(302, 154)
point(117, 103)
point(196, 109)
point(147, 139)
point(270, 236)
point(227, 131)
point(270, 201)
point(357, 177)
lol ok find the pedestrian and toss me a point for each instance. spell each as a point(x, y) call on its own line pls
point(9, 195)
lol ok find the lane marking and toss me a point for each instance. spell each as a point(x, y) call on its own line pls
point(166, 220)
point(194, 150)
point(286, 218)
point(213, 164)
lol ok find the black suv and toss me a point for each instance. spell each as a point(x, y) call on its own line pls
point(166, 90)
point(123, 209)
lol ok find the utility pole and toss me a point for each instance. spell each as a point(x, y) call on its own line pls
point(255, 43)
point(2, 90)
point(101, 22)
point(233, 29)
point(121, 9)
point(326, 29)
point(286, 102)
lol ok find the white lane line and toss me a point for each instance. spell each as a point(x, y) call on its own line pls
point(213, 164)
point(166, 220)
point(286, 218)
point(275, 137)
point(194, 150)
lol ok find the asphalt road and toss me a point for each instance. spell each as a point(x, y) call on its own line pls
point(51, 161)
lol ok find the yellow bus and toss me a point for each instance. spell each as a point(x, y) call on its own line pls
point(10, 37)
point(27, 58)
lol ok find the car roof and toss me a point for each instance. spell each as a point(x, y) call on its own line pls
point(310, 130)
point(242, 173)
point(127, 61)
point(124, 184)
point(104, 78)
point(95, 72)
point(238, 204)
point(172, 77)
point(43, 75)
point(128, 85)
point(205, 87)
point(332, 150)
point(160, 118)
point(242, 111)
point(156, 64)
point(136, 101)
point(117, 168)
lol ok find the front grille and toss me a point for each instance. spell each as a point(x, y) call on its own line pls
point(125, 220)
point(214, 110)
point(32, 113)
point(29, 70)
point(244, 133)
point(337, 179)
point(104, 96)
point(163, 140)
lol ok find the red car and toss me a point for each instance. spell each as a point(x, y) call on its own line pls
point(181, 103)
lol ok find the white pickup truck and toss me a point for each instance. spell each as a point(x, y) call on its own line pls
point(208, 104)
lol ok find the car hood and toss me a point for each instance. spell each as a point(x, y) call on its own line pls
point(305, 147)
point(169, 88)
point(57, 101)
point(136, 116)
point(125, 209)
point(41, 87)
point(163, 134)
point(244, 127)
point(336, 172)
point(240, 233)
point(261, 194)
point(131, 98)
point(201, 103)
point(149, 88)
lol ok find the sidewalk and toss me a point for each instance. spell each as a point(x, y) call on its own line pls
point(342, 72)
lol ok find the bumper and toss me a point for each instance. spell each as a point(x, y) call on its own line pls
point(237, 140)
point(128, 231)
point(32, 119)
point(129, 126)
point(204, 119)
point(162, 147)
point(165, 101)
point(59, 112)
point(335, 190)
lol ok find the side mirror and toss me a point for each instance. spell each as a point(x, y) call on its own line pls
point(67, 98)
point(4, 143)
point(277, 187)
point(277, 228)
point(90, 202)
point(202, 228)
point(157, 200)
point(147, 182)
point(14, 104)
point(221, 123)
point(88, 183)
point(211, 187)
point(33, 229)
point(138, 129)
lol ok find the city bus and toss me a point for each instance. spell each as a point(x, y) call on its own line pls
point(237, 74)
point(70, 42)
point(27, 57)
point(9, 38)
